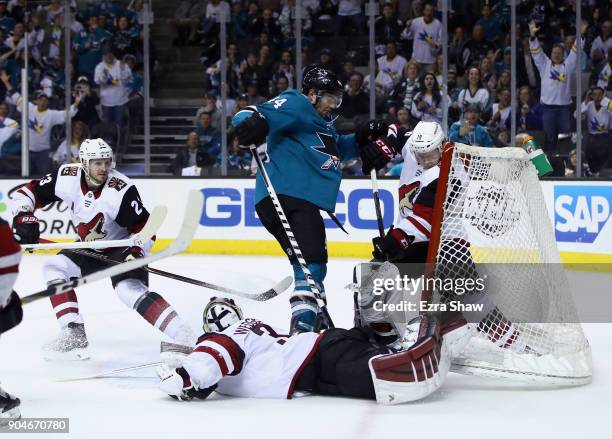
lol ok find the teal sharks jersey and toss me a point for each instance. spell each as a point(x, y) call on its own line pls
point(303, 148)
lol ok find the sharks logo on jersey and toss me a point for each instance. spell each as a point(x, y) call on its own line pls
point(328, 147)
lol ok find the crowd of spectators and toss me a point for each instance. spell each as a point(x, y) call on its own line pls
point(106, 96)
point(409, 83)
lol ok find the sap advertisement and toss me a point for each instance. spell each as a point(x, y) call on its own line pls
point(579, 213)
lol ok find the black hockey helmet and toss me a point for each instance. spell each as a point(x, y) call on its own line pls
point(322, 80)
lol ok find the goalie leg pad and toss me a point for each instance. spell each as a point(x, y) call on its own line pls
point(413, 374)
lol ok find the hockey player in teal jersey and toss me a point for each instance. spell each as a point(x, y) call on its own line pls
point(303, 158)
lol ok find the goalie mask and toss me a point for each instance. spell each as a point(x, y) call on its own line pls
point(220, 314)
point(101, 153)
point(426, 143)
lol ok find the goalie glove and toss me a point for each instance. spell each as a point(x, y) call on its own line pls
point(252, 131)
point(392, 245)
point(177, 384)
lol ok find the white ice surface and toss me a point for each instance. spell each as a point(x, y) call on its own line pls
point(132, 407)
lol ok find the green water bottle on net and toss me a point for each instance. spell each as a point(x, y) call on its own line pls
point(537, 156)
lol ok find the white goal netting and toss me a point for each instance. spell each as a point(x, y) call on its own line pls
point(495, 226)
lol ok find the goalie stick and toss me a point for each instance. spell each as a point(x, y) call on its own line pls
point(191, 221)
point(270, 293)
point(156, 218)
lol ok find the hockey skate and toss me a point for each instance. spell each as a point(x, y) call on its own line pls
point(70, 345)
point(307, 321)
point(9, 407)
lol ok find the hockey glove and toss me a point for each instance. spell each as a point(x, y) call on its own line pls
point(178, 385)
point(391, 245)
point(376, 155)
point(252, 131)
point(133, 253)
point(26, 228)
point(366, 133)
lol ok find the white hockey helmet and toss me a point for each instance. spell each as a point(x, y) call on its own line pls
point(426, 138)
point(94, 149)
point(221, 313)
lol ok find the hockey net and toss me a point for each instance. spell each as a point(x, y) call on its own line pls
point(491, 221)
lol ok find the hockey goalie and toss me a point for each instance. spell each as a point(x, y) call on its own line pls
point(246, 357)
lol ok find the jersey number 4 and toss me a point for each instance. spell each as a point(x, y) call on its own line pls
point(278, 103)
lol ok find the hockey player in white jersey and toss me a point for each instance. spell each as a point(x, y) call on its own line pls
point(105, 205)
point(407, 242)
point(245, 357)
point(10, 307)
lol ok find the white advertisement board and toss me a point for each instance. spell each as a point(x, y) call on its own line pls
point(579, 212)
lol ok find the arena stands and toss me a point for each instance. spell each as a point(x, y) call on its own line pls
point(186, 69)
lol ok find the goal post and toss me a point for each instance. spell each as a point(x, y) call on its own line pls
point(490, 216)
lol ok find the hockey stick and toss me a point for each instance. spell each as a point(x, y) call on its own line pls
point(156, 218)
point(379, 218)
point(191, 221)
point(106, 374)
point(270, 293)
point(292, 241)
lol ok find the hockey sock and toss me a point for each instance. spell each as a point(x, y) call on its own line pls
point(502, 332)
point(66, 308)
point(155, 310)
point(303, 299)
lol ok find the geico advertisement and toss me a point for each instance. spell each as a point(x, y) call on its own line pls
point(579, 211)
point(230, 206)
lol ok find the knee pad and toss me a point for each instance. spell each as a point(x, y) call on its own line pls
point(130, 291)
point(60, 268)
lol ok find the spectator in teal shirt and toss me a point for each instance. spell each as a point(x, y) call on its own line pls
point(469, 131)
point(210, 139)
point(88, 45)
point(490, 23)
point(7, 23)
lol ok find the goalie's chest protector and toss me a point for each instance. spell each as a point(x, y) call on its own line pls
point(412, 180)
point(93, 212)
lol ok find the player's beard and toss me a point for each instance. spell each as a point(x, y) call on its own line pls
point(92, 182)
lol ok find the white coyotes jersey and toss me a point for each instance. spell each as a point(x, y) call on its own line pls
point(250, 359)
point(415, 205)
point(113, 212)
